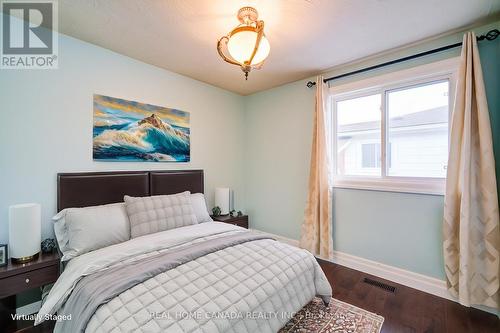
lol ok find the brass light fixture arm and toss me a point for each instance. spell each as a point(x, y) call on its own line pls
point(259, 28)
point(223, 56)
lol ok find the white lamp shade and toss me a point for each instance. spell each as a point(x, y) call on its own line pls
point(222, 199)
point(24, 230)
point(241, 45)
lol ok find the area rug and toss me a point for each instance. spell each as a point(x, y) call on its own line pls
point(338, 317)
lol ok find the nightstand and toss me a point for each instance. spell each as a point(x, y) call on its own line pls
point(16, 278)
point(241, 221)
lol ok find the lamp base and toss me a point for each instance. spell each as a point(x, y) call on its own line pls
point(23, 260)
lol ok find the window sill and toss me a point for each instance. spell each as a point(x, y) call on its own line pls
point(432, 186)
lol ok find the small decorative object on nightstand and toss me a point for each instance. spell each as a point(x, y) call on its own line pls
point(4, 255)
point(241, 221)
point(48, 245)
point(216, 211)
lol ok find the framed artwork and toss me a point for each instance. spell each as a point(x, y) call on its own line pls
point(132, 131)
point(4, 255)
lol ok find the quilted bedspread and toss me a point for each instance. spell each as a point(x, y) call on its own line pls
point(255, 286)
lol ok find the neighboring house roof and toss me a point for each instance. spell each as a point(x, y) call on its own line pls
point(426, 117)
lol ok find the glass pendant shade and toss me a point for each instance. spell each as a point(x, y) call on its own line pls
point(241, 45)
point(246, 45)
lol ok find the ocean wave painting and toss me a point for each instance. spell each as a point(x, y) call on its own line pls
point(132, 131)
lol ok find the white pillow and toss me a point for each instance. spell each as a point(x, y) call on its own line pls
point(81, 230)
point(200, 208)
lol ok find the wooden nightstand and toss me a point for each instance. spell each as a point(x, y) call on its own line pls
point(16, 278)
point(241, 221)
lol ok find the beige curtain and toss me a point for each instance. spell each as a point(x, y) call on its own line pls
point(471, 234)
point(316, 233)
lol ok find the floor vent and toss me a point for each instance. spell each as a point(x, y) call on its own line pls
point(380, 285)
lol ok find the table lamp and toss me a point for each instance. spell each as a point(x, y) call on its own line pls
point(24, 232)
point(222, 199)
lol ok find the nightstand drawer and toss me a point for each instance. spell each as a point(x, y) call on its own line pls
point(239, 222)
point(20, 282)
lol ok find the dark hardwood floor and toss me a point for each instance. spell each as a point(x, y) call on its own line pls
point(405, 310)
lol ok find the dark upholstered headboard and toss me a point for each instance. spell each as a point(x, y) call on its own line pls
point(100, 188)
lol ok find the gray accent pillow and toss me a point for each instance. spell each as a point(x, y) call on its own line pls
point(148, 215)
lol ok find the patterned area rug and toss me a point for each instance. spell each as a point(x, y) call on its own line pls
point(338, 317)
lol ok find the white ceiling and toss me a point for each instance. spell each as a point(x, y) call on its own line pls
point(306, 36)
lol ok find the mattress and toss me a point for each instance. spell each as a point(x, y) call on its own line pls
point(219, 278)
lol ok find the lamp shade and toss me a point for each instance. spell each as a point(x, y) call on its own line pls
point(222, 199)
point(242, 43)
point(24, 231)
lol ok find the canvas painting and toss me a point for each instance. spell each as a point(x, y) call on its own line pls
point(131, 131)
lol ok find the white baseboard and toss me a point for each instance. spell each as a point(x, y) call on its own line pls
point(401, 276)
point(29, 308)
point(410, 279)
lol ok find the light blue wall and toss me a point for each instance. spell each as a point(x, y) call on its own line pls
point(397, 229)
point(46, 124)
point(278, 128)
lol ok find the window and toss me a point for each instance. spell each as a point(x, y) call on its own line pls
point(418, 130)
point(358, 124)
point(391, 132)
point(370, 155)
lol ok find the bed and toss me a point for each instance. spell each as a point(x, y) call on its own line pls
point(201, 277)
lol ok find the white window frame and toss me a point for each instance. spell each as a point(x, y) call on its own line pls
point(382, 84)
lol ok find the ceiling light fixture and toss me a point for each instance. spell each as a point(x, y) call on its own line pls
point(246, 44)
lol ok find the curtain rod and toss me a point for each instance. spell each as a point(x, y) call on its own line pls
point(490, 35)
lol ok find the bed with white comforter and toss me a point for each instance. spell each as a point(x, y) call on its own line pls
point(251, 286)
